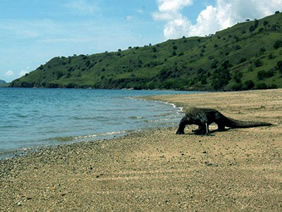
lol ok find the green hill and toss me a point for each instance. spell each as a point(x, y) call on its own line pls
point(245, 56)
point(2, 82)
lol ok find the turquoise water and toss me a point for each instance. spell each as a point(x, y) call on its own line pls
point(32, 118)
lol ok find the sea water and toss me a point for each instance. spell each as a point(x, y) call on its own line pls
point(31, 118)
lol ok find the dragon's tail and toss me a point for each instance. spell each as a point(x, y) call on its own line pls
point(244, 124)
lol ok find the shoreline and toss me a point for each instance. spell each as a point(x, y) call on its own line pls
point(158, 170)
point(18, 153)
point(41, 133)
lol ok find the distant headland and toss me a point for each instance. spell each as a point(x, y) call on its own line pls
point(2, 82)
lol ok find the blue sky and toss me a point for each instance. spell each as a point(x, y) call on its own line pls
point(34, 31)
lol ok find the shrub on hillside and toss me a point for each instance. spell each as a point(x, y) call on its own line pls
point(249, 84)
point(258, 63)
point(214, 64)
point(261, 86)
point(204, 81)
point(264, 74)
point(253, 28)
point(238, 76)
point(262, 50)
point(237, 47)
point(279, 66)
point(41, 67)
point(250, 68)
point(277, 44)
point(220, 78)
point(237, 87)
point(271, 56)
point(59, 75)
point(242, 60)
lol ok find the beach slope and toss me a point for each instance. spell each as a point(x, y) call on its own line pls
point(157, 170)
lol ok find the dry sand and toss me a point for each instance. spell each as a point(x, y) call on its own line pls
point(235, 170)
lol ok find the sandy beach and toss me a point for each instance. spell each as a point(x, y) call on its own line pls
point(157, 170)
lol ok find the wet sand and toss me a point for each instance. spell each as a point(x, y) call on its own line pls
point(156, 170)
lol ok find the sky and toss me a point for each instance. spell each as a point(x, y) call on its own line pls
point(34, 31)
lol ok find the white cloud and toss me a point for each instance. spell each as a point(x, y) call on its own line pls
point(177, 27)
point(24, 71)
point(140, 11)
point(172, 5)
point(128, 18)
point(9, 73)
point(228, 12)
point(29, 34)
point(223, 14)
point(22, 29)
point(170, 11)
point(83, 6)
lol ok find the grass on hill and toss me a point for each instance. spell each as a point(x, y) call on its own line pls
point(245, 56)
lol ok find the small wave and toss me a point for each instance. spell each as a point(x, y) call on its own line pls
point(181, 110)
point(157, 120)
point(9, 126)
point(73, 138)
point(136, 117)
point(10, 153)
point(86, 137)
point(168, 103)
point(162, 115)
point(112, 133)
point(18, 115)
point(64, 139)
point(91, 118)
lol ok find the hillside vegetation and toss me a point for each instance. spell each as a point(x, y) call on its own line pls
point(245, 56)
point(3, 83)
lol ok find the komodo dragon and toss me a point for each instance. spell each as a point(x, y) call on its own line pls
point(203, 117)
